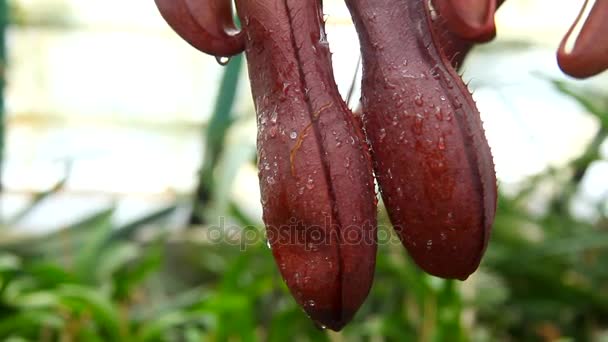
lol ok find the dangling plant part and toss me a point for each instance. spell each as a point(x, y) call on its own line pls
point(206, 25)
point(472, 20)
point(459, 25)
point(431, 158)
point(315, 170)
point(588, 55)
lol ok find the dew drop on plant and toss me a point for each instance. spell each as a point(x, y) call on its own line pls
point(268, 244)
point(310, 183)
point(293, 135)
point(382, 134)
point(441, 144)
point(320, 326)
point(439, 113)
point(222, 60)
point(274, 116)
point(418, 124)
point(449, 83)
point(402, 137)
point(273, 131)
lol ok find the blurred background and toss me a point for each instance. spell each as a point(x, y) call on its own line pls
point(130, 204)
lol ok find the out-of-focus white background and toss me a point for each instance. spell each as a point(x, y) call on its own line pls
point(104, 89)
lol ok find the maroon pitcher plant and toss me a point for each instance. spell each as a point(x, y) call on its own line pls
point(315, 171)
point(432, 160)
point(429, 151)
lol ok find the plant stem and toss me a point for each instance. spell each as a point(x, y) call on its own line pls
point(216, 131)
point(4, 13)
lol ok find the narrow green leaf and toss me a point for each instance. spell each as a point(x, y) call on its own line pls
point(99, 306)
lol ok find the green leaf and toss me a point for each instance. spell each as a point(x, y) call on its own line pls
point(155, 329)
point(104, 314)
point(9, 263)
point(113, 258)
point(128, 231)
point(91, 249)
point(49, 274)
point(129, 276)
point(178, 302)
point(37, 199)
point(37, 300)
point(27, 322)
point(61, 242)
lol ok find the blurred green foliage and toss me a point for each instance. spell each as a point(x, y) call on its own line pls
point(542, 279)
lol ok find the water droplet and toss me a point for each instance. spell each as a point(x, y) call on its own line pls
point(310, 183)
point(443, 236)
point(439, 113)
point(311, 303)
point(293, 135)
point(429, 244)
point(418, 100)
point(266, 166)
point(449, 83)
point(441, 144)
point(442, 98)
point(273, 131)
point(270, 180)
point(268, 244)
point(274, 116)
point(320, 326)
point(402, 137)
point(352, 140)
point(347, 162)
point(222, 60)
point(435, 72)
point(382, 134)
point(418, 124)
